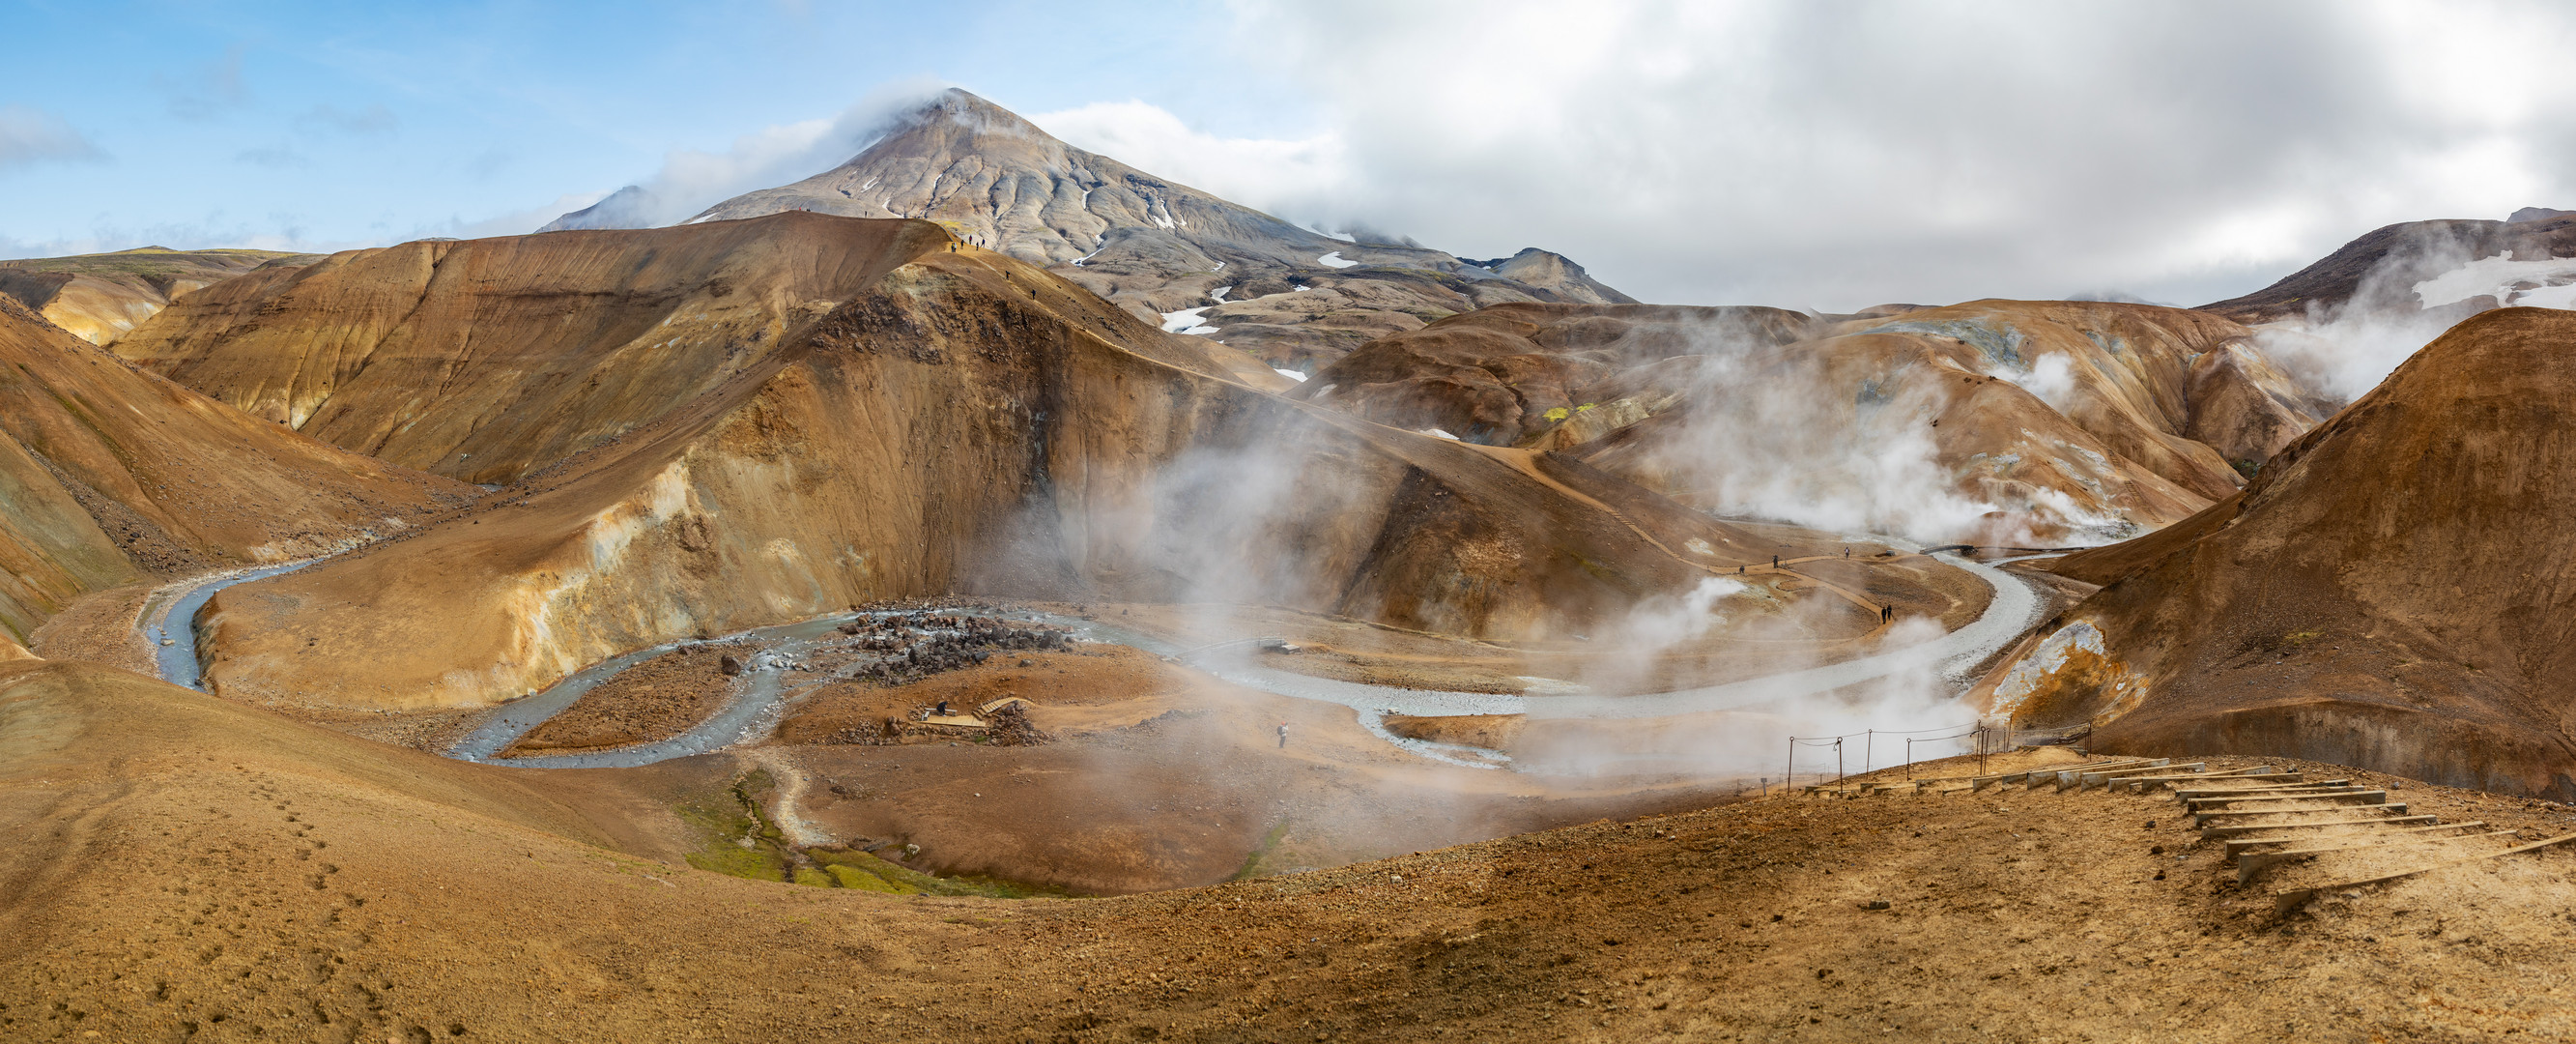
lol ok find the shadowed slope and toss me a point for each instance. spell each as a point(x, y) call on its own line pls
point(2393, 591)
point(111, 473)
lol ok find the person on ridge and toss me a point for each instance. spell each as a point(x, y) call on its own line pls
point(1283, 735)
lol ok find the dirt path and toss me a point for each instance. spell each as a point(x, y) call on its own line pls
point(1522, 461)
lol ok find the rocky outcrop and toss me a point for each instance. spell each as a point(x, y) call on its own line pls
point(2387, 593)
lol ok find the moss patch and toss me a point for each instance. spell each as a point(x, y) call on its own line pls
point(848, 876)
point(1260, 853)
point(723, 820)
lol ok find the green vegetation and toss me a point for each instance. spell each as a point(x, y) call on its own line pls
point(734, 839)
point(852, 877)
point(154, 262)
point(1252, 861)
point(850, 865)
point(731, 837)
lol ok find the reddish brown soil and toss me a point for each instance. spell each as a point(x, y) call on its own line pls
point(1490, 731)
point(1098, 674)
point(182, 859)
point(2349, 610)
point(656, 699)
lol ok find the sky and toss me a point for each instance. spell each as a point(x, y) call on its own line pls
point(1824, 154)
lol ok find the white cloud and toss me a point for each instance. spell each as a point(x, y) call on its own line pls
point(1293, 178)
point(30, 136)
point(1841, 154)
point(690, 180)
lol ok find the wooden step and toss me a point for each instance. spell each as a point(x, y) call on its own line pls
point(2235, 845)
point(2252, 864)
point(2296, 898)
point(2217, 832)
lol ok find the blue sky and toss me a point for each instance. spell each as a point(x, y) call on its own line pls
point(340, 123)
point(1803, 153)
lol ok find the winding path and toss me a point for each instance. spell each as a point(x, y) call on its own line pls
point(764, 693)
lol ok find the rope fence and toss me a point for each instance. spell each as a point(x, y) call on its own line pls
point(1991, 737)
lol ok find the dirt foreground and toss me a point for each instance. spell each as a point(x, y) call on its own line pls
point(186, 869)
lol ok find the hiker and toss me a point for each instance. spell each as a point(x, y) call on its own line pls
point(943, 708)
point(1283, 735)
point(1886, 613)
point(1775, 561)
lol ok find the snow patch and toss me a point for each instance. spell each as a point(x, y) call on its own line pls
point(2500, 276)
point(1187, 321)
point(1333, 260)
point(1290, 374)
point(1218, 294)
point(1439, 434)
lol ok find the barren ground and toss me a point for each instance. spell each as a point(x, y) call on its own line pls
point(653, 700)
point(203, 871)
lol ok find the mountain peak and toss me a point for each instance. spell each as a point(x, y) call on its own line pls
point(1152, 245)
point(973, 112)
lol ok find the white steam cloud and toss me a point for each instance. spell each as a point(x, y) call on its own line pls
point(2413, 294)
point(691, 180)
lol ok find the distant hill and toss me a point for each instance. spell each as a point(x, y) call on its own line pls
point(1166, 252)
point(99, 297)
point(2382, 270)
point(629, 207)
